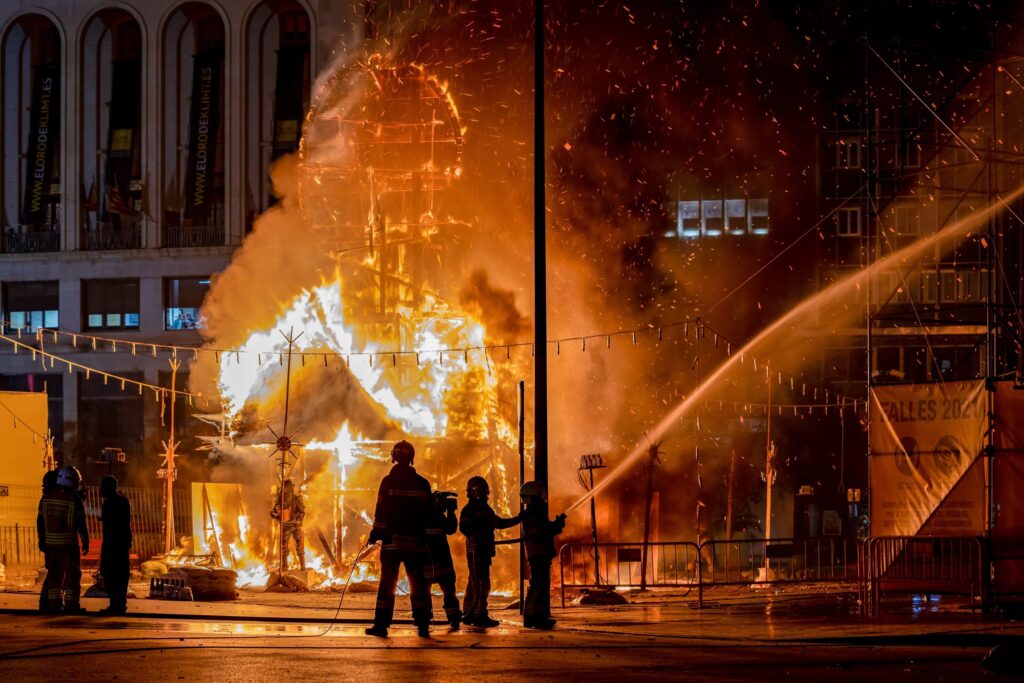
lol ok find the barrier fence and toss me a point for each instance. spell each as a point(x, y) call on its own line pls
point(922, 564)
point(918, 564)
point(668, 565)
point(19, 545)
point(782, 560)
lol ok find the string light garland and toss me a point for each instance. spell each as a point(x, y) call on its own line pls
point(88, 370)
point(700, 330)
point(154, 348)
point(795, 408)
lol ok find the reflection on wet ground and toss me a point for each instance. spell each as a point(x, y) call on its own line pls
point(728, 613)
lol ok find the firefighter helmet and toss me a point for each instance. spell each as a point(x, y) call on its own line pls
point(70, 477)
point(532, 490)
point(477, 488)
point(403, 452)
point(50, 480)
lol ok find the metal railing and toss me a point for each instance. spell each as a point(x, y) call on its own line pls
point(19, 543)
point(669, 565)
point(106, 236)
point(19, 546)
point(711, 563)
point(949, 565)
point(193, 235)
point(147, 517)
point(26, 240)
point(780, 560)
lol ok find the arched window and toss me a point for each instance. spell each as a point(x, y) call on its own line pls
point(111, 137)
point(193, 127)
point(30, 210)
point(278, 76)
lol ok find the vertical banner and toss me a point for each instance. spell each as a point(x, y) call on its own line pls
point(926, 443)
point(289, 98)
point(204, 123)
point(43, 136)
point(122, 127)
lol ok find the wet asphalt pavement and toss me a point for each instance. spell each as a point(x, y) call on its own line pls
point(739, 636)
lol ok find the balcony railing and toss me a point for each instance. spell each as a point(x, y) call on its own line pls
point(107, 236)
point(193, 235)
point(29, 240)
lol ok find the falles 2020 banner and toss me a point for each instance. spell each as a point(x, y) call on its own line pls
point(927, 473)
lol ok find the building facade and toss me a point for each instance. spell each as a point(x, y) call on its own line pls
point(134, 151)
point(929, 134)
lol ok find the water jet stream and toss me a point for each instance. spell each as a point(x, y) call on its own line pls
point(832, 292)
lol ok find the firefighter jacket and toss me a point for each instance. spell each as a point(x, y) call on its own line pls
point(477, 523)
point(405, 507)
point(539, 532)
point(117, 524)
point(443, 524)
point(61, 517)
point(294, 509)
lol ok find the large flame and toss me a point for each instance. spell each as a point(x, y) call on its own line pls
point(320, 318)
point(408, 362)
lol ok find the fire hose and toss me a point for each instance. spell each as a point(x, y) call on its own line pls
point(363, 552)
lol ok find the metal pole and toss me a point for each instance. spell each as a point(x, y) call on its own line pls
point(540, 328)
point(652, 456)
point(283, 551)
point(728, 497)
point(870, 233)
point(522, 479)
point(169, 534)
point(768, 474)
point(593, 531)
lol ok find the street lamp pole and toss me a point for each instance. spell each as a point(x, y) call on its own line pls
point(540, 328)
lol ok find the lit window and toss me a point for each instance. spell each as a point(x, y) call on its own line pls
point(758, 216)
point(672, 208)
point(31, 305)
point(111, 304)
point(183, 297)
point(848, 153)
point(714, 221)
point(848, 224)
point(717, 217)
point(689, 219)
point(736, 216)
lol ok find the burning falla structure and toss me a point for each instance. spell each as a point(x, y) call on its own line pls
point(360, 265)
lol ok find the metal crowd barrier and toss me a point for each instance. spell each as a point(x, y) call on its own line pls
point(889, 564)
point(712, 563)
point(621, 565)
point(780, 560)
point(922, 564)
point(19, 546)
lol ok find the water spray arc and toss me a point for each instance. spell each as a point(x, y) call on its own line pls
point(939, 239)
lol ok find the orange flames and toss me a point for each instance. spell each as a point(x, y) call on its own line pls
point(381, 353)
